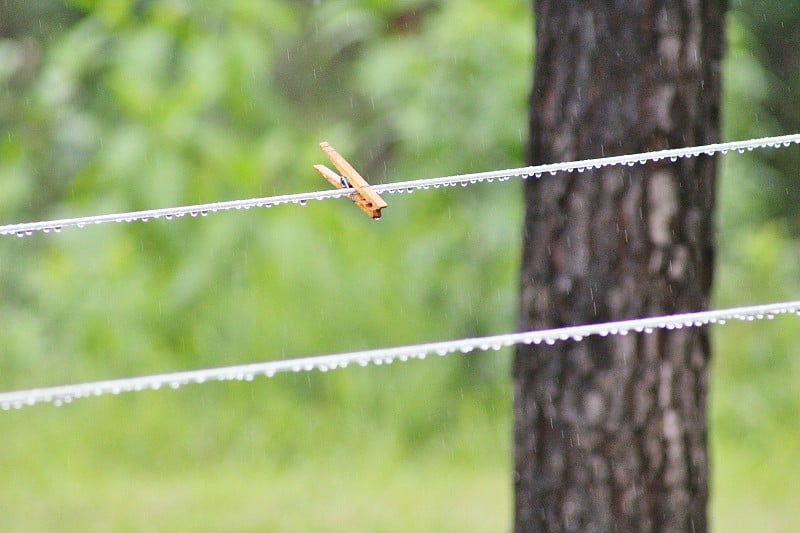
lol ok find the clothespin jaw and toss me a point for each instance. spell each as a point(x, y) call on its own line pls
point(365, 198)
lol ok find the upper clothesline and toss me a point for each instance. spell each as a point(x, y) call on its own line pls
point(169, 213)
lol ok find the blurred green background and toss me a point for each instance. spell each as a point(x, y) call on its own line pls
point(116, 105)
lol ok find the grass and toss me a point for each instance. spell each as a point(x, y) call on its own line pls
point(353, 492)
point(357, 495)
point(755, 489)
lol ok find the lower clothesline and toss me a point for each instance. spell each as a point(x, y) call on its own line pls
point(64, 394)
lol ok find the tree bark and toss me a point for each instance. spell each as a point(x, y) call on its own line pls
point(610, 433)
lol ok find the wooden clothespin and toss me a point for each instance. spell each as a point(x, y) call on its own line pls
point(365, 198)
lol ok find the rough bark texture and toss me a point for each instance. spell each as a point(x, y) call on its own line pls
point(610, 433)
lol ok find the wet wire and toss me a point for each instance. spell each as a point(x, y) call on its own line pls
point(65, 394)
point(60, 395)
point(170, 213)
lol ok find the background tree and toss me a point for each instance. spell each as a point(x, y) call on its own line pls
point(610, 433)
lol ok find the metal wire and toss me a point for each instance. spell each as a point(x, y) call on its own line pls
point(169, 213)
point(65, 394)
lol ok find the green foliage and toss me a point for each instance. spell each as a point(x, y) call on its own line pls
point(144, 104)
point(117, 105)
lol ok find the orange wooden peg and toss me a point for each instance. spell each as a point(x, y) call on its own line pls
point(365, 198)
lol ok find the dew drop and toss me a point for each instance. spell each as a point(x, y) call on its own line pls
point(303, 203)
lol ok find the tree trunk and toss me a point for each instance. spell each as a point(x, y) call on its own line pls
point(610, 433)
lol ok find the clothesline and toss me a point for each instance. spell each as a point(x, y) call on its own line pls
point(60, 395)
point(536, 171)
